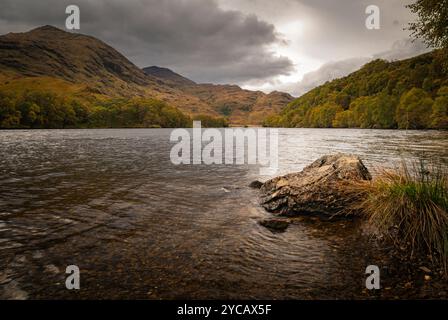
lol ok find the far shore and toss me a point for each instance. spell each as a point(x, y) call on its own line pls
point(230, 126)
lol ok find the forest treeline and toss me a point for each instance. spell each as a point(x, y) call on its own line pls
point(408, 94)
point(39, 109)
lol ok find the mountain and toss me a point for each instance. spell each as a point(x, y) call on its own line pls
point(83, 69)
point(169, 77)
point(407, 94)
point(50, 52)
point(67, 63)
point(239, 105)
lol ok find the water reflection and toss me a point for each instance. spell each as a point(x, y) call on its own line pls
point(111, 202)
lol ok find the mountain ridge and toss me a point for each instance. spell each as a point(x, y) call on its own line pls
point(170, 77)
point(226, 98)
point(88, 68)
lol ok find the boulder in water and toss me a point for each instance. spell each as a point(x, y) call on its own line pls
point(321, 188)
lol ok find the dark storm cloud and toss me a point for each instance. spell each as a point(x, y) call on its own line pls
point(333, 33)
point(194, 37)
point(334, 29)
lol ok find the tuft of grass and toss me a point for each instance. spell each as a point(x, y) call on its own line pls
point(410, 204)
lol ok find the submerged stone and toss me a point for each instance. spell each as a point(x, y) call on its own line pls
point(275, 224)
point(256, 184)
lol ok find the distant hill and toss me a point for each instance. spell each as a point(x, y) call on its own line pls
point(239, 105)
point(407, 94)
point(86, 71)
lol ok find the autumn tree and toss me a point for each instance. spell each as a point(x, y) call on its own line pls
point(345, 119)
point(323, 116)
point(414, 110)
point(432, 22)
point(439, 116)
point(9, 115)
point(384, 108)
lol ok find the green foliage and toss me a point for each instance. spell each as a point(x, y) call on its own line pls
point(323, 116)
point(211, 122)
point(432, 22)
point(225, 110)
point(9, 115)
point(363, 111)
point(38, 109)
point(384, 95)
point(439, 116)
point(345, 119)
point(273, 121)
point(414, 110)
point(136, 113)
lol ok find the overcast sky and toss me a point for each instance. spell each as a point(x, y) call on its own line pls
point(258, 44)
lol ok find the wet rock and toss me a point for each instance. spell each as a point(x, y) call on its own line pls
point(5, 277)
point(275, 224)
point(321, 188)
point(256, 184)
point(12, 291)
point(51, 268)
point(38, 254)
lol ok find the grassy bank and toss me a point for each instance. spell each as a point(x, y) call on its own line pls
point(410, 205)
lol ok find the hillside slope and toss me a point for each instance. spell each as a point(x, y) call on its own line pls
point(48, 51)
point(240, 106)
point(84, 66)
point(408, 94)
point(169, 77)
point(78, 67)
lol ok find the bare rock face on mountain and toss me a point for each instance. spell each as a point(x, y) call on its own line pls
point(321, 188)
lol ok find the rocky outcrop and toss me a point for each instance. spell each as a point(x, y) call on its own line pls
point(321, 188)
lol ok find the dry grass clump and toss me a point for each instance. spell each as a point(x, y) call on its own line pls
point(411, 205)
